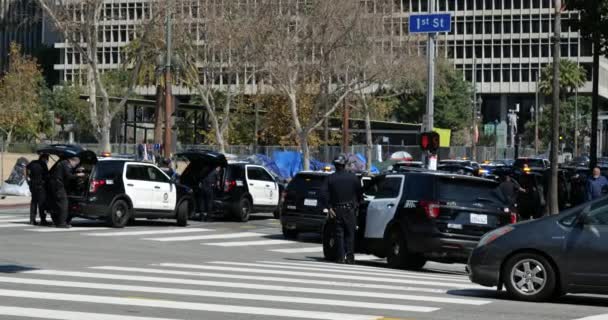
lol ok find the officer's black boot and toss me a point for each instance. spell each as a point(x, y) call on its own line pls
point(350, 259)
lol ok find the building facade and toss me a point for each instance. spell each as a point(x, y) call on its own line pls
point(500, 45)
point(20, 23)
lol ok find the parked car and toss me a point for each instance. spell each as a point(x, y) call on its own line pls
point(540, 259)
point(119, 190)
point(458, 168)
point(302, 210)
point(413, 217)
point(244, 188)
point(467, 163)
point(522, 165)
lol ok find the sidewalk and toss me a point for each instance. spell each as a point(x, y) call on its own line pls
point(9, 202)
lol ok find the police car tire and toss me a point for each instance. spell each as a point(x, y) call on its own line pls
point(182, 213)
point(398, 256)
point(329, 242)
point(290, 234)
point(114, 220)
point(243, 210)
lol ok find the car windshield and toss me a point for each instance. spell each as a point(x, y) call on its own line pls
point(464, 190)
point(529, 162)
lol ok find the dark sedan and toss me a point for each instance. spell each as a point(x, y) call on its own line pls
point(540, 259)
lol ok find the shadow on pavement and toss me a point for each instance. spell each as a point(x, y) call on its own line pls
point(12, 268)
point(578, 300)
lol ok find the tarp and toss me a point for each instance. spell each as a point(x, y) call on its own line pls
point(267, 163)
point(362, 158)
point(288, 162)
point(16, 184)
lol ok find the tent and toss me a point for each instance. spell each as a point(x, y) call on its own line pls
point(401, 156)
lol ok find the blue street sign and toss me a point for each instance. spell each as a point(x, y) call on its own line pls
point(430, 23)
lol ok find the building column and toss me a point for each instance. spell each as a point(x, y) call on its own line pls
point(504, 107)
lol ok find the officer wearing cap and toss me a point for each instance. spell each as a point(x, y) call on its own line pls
point(341, 195)
point(37, 173)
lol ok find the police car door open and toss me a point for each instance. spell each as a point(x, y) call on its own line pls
point(383, 206)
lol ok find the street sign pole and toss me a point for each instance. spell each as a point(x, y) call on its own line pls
point(430, 108)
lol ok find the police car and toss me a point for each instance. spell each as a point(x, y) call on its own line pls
point(244, 188)
point(415, 216)
point(118, 190)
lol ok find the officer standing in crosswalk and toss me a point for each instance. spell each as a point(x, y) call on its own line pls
point(341, 195)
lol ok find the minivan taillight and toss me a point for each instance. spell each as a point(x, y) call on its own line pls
point(95, 184)
point(513, 218)
point(229, 185)
point(431, 209)
point(283, 196)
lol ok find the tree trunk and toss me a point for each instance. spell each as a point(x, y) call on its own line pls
point(9, 140)
point(369, 143)
point(219, 140)
point(303, 139)
point(158, 116)
point(553, 187)
point(595, 98)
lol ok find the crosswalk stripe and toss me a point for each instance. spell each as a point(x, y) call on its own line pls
point(366, 257)
point(368, 268)
point(145, 232)
point(299, 250)
point(275, 266)
point(12, 216)
point(169, 304)
point(376, 271)
point(596, 317)
point(317, 275)
point(254, 297)
point(73, 229)
point(66, 315)
point(249, 243)
point(12, 225)
point(245, 277)
point(209, 237)
point(24, 220)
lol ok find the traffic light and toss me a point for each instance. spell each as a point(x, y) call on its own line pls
point(429, 141)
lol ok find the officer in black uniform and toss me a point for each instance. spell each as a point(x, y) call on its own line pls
point(207, 186)
point(342, 193)
point(61, 175)
point(37, 178)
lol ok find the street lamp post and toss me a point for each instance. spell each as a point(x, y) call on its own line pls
point(536, 140)
point(168, 80)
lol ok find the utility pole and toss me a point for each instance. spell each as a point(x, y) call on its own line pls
point(576, 123)
point(553, 189)
point(474, 116)
point(168, 82)
point(430, 107)
point(595, 97)
point(536, 112)
point(345, 127)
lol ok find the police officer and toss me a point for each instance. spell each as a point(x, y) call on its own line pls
point(37, 173)
point(341, 195)
point(207, 187)
point(61, 174)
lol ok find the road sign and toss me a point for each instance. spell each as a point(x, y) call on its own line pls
point(430, 23)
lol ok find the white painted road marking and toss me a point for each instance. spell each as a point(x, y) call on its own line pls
point(12, 225)
point(247, 277)
point(299, 250)
point(596, 317)
point(168, 304)
point(146, 232)
point(209, 237)
point(66, 315)
point(249, 243)
point(439, 283)
point(72, 229)
point(248, 296)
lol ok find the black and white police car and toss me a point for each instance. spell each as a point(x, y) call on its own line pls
point(118, 190)
point(415, 216)
point(244, 188)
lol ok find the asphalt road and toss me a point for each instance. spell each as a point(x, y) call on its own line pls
point(228, 270)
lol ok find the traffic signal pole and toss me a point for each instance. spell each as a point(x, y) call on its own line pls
point(430, 107)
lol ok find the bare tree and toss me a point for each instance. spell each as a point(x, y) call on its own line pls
point(79, 23)
point(215, 59)
point(305, 50)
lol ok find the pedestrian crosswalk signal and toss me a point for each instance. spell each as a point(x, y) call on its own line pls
point(429, 141)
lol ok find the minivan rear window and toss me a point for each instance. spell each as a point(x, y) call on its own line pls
point(306, 182)
point(464, 190)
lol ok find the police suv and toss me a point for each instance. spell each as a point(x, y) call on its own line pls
point(119, 190)
point(415, 216)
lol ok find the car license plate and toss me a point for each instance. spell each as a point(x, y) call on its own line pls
point(310, 202)
point(479, 218)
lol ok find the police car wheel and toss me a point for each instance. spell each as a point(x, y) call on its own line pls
point(244, 209)
point(329, 242)
point(183, 211)
point(119, 214)
point(398, 255)
point(290, 233)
